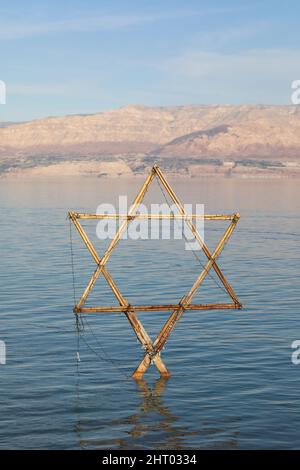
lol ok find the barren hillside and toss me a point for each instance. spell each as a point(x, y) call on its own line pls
point(263, 137)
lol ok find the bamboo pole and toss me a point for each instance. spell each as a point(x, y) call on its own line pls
point(137, 326)
point(96, 258)
point(153, 348)
point(196, 234)
point(171, 323)
point(78, 215)
point(156, 308)
point(116, 238)
point(169, 326)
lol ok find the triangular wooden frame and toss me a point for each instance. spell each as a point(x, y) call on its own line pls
point(154, 348)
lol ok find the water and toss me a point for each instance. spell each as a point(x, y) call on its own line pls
point(233, 384)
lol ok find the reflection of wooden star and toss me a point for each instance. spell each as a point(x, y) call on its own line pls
point(154, 348)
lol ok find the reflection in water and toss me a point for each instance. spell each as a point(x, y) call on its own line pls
point(152, 426)
point(232, 386)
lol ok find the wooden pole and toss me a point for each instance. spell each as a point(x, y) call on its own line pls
point(171, 323)
point(79, 215)
point(153, 349)
point(169, 326)
point(156, 308)
point(196, 234)
point(133, 320)
point(115, 240)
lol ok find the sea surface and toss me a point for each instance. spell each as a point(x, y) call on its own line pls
point(233, 383)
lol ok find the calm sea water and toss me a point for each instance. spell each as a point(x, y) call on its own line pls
point(233, 384)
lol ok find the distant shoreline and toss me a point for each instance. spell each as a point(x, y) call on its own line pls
point(74, 170)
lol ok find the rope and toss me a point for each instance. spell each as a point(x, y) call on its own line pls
point(106, 356)
point(80, 324)
point(65, 330)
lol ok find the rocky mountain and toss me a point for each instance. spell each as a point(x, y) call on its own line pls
point(188, 139)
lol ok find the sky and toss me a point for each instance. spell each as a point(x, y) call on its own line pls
point(73, 57)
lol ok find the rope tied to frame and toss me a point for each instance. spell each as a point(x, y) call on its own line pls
point(80, 324)
point(154, 347)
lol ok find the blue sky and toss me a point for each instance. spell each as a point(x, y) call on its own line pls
point(65, 57)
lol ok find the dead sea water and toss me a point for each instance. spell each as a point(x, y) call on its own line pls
point(233, 383)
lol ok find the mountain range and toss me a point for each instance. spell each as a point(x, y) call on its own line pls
point(193, 140)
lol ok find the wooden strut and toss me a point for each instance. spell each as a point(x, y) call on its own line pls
point(153, 349)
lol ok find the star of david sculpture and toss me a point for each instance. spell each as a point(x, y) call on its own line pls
point(153, 348)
